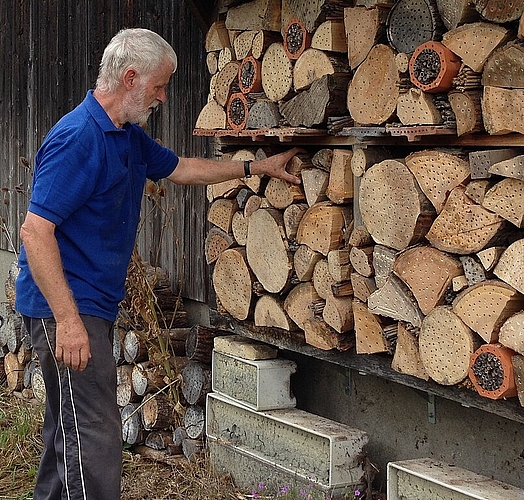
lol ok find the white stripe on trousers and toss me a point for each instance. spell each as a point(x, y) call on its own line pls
point(84, 494)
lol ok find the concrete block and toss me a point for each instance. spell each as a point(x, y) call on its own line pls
point(296, 442)
point(248, 471)
point(243, 347)
point(260, 385)
point(431, 480)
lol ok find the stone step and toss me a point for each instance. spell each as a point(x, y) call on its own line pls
point(243, 347)
point(260, 385)
point(296, 442)
point(432, 480)
point(251, 473)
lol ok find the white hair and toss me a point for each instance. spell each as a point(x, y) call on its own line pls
point(137, 48)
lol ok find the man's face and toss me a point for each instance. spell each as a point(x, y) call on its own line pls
point(147, 94)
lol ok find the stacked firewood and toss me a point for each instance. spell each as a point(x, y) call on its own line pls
point(20, 371)
point(340, 63)
point(274, 66)
point(163, 368)
point(419, 256)
point(163, 365)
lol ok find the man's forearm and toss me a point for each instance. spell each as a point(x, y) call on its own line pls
point(45, 263)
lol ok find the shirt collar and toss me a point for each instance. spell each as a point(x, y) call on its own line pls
point(99, 114)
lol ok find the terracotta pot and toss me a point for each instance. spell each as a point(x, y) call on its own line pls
point(500, 357)
point(296, 38)
point(450, 65)
point(250, 75)
point(237, 111)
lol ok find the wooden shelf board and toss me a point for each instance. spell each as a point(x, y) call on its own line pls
point(284, 134)
point(388, 135)
point(373, 364)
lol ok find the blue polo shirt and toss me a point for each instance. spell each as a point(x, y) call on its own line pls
point(88, 180)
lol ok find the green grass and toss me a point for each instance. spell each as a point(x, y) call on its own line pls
point(20, 446)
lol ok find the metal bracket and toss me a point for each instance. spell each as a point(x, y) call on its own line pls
point(432, 405)
point(432, 410)
point(347, 388)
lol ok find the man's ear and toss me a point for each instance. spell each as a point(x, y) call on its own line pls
point(129, 78)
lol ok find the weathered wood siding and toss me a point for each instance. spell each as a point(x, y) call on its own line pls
point(49, 54)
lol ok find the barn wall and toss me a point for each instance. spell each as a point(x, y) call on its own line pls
point(49, 53)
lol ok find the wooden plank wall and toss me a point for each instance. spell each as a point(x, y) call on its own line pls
point(49, 55)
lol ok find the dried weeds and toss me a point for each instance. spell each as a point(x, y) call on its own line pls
point(142, 479)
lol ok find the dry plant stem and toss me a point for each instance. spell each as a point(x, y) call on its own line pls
point(142, 307)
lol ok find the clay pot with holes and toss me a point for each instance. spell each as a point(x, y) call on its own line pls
point(237, 109)
point(491, 371)
point(296, 39)
point(433, 66)
point(250, 75)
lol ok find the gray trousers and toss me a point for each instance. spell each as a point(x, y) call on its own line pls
point(82, 456)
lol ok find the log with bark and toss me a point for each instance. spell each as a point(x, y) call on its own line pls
point(456, 12)
point(267, 250)
point(364, 28)
point(502, 110)
point(196, 382)
point(373, 92)
point(157, 412)
point(464, 227)
point(199, 343)
point(485, 307)
point(394, 209)
point(277, 72)
point(406, 358)
point(437, 173)
point(233, 282)
point(255, 15)
point(499, 12)
point(468, 111)
point(324, 98)
point(428, 273)
point(446, 345)
point(474, 42)
point(133, 431)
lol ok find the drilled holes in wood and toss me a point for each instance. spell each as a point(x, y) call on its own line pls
point(411, 23)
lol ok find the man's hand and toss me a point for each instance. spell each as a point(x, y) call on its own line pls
point(72, 344)
point(203, 171)
point(275, 166)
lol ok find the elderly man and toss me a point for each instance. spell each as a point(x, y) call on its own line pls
point(77, 240)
